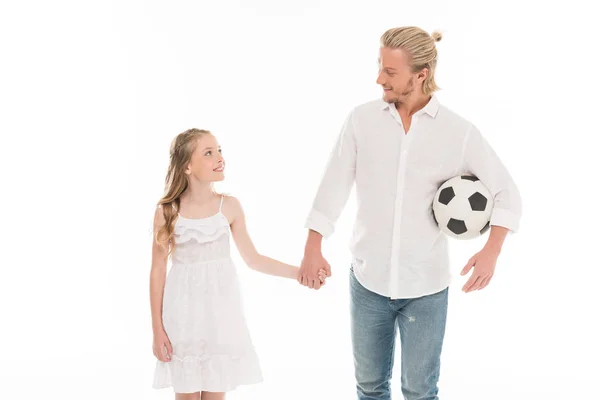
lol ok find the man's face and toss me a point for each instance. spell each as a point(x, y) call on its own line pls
point(395, 75)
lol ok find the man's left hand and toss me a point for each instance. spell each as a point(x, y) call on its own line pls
point(484, 264)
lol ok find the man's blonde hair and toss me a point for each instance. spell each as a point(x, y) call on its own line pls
point(420, 48)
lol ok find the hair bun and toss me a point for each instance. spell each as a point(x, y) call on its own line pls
point(436, 35)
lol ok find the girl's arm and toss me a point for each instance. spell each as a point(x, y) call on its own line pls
point(158, 273)
point(244, 244)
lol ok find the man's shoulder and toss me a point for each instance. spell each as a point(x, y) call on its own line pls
point(449, 117)
point(368, 110)
point(450, 113)
point(370, 106)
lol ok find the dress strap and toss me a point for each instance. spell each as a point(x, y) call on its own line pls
point(221, 206)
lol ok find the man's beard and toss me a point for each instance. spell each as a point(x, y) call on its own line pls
point(410, 87)
point(406, 93)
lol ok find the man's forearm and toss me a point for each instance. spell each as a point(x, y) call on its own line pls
point(313, 242)
point(496, 238)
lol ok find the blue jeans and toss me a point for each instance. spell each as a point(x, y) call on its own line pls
point(375, 320)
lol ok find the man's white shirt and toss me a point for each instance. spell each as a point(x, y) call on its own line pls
point(398, 249)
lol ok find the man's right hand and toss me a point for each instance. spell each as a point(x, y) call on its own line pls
point(308, 275)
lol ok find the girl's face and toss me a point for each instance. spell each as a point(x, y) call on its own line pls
point(207, 162)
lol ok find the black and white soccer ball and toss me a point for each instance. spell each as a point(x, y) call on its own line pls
point(462, 207)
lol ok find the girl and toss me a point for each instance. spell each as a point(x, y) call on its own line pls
point(201, 339)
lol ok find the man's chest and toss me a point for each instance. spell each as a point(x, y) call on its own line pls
point(424, 153)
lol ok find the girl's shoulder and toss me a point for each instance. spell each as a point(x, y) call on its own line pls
point(159, 215)
point(229, 200)
point(232, 208)
point(160, 208)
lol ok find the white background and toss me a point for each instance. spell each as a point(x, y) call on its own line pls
point(91, 94)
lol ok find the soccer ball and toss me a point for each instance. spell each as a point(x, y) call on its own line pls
point(462, 207)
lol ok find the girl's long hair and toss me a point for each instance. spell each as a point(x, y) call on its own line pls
point(176, 182)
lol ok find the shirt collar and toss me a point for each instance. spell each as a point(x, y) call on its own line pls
point(431, 108)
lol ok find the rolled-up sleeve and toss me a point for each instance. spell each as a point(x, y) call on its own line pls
point(336, 183)
point(482, 161)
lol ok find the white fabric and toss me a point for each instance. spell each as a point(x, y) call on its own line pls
point(203, 313)
point(399, 251)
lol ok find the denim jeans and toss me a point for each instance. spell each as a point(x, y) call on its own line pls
point(375, 320)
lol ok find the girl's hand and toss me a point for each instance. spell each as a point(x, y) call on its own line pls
point(322, 276)
point(161, 347)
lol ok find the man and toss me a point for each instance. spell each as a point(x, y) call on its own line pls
point(399, 150)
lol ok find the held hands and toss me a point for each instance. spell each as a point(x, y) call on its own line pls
point(322, 278)
point(314, 270)
point(484, 264)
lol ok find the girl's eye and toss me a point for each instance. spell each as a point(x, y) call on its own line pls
point(208, 153)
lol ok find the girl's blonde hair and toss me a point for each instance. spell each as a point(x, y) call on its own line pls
point(176, 181)
point(420, 47)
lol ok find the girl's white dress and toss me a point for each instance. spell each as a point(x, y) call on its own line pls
point(203, 314)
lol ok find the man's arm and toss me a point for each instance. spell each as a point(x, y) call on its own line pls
point(332, 195)
point(483, 162)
